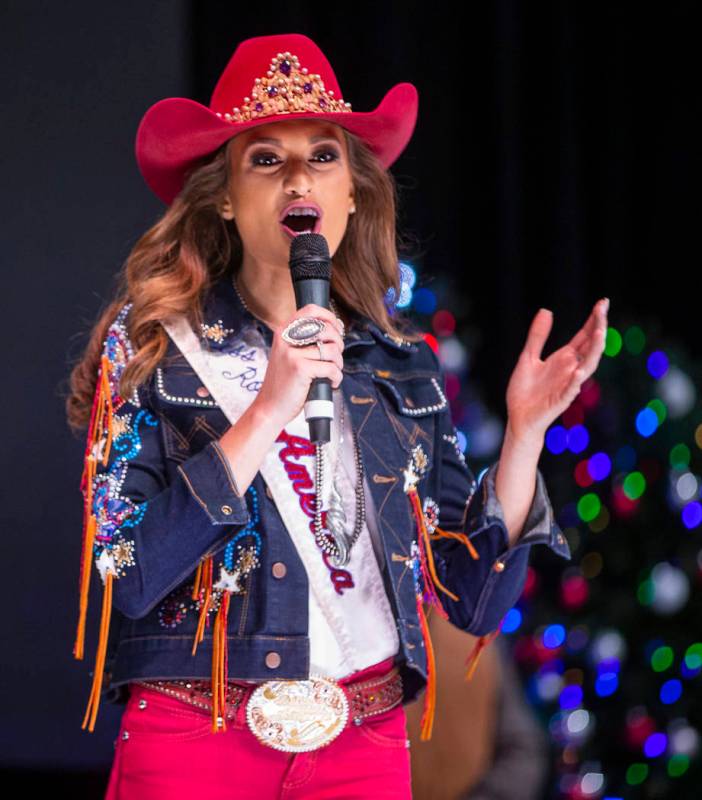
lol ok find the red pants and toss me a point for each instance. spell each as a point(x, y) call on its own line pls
point(170, 753)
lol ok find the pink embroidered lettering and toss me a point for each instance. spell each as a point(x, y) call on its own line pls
point(303, 486)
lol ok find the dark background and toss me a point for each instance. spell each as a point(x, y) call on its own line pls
point(555, 161)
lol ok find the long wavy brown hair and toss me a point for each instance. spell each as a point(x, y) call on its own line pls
point(174, 263)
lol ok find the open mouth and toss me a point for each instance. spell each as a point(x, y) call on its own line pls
point(295, 224)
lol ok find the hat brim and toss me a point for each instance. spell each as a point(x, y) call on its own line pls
point(176, 132)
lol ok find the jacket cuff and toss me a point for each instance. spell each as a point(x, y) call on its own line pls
point(540, 526)
point(211, 482)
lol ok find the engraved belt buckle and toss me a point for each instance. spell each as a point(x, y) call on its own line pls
point(296, 716)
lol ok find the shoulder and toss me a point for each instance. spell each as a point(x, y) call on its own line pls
point(413, 353)
point(402, 352)
point(427, 356)
point(117, 351)
point(117, 344)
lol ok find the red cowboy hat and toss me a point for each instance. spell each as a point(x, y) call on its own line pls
point(268, 78)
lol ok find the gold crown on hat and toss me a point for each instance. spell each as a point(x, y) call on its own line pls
point(286, 89)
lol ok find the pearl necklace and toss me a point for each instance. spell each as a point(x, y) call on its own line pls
point(335, 541)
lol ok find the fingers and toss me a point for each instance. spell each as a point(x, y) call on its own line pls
point(538, 332)
point(323, 369)
point(329, 351)
point(596, 319)
point(331, 334)
point(591, 347)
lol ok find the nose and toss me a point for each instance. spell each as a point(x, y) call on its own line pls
point(297, 177)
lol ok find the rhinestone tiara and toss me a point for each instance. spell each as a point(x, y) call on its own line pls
point(286, 89)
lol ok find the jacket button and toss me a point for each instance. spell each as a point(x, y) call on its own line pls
point(202, 391)
point(279, 569)
point(273, 659)
point(226, 509)
point(498, 566)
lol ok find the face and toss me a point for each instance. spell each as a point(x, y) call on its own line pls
point(279, 162)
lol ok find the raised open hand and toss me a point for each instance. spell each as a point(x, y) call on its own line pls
point(539, 391)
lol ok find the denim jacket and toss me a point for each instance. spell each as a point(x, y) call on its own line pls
point(166, 499)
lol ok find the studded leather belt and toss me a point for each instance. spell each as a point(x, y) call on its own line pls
point(365, 698)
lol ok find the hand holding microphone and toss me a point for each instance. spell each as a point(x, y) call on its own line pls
point(296, 373)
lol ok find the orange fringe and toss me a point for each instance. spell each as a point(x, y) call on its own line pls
point(432, 583)
point(196, 585)
point(100, 419)
point(424, 533)
point(440, 533)
point(203, 583)
point(219, 666)
point(474, 655)
point(94, 701)
point(427, 721)
point(203, 579)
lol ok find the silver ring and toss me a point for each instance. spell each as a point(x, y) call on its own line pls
point(319, 347)
point(303, 331)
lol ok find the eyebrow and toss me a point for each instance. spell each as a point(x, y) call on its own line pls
point(269, 140)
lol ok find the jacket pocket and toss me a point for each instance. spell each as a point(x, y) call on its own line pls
point(190, 417)
point(178, 384)
point(412, 401)
point(413, 393)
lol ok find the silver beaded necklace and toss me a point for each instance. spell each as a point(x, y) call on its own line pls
point(336, 542)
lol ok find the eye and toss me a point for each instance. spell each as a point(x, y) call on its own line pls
point(329, 151)
point(257, 159)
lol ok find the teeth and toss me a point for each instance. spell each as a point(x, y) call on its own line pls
point(302, 212)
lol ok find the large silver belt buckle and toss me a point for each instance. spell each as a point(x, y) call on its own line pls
point(297, 716)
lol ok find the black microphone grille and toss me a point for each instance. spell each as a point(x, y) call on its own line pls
point(309, 257)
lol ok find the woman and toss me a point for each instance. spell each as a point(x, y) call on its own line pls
point(255, 584)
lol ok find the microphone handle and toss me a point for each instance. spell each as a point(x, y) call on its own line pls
point(319, 406)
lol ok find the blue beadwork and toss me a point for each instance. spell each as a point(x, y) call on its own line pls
point(250, 530)
point(128, 443)
point(115, 513)
point(416, 568)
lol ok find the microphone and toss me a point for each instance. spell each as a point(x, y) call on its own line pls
point(310, 268)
